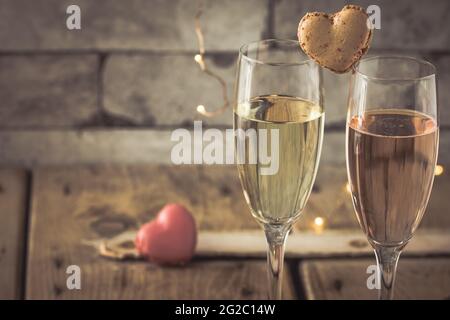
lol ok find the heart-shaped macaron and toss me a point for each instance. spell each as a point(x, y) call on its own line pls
point(335, 41)
point(170, 238)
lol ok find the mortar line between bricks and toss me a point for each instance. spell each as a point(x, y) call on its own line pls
point(269, 31)
point(180, 52)
point(22, 290)
point(100, 73)
point(293, 265)
point(80, 130)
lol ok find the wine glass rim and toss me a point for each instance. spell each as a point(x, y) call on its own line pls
point(430, 75)
point(291, 42)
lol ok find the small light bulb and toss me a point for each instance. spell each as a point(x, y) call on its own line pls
point(438, 170)
point(201, 108)
point(318, 225)
point(198, 58)
point(348, 188)
point(318, 221)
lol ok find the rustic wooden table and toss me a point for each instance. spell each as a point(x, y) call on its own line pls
point(51, 216)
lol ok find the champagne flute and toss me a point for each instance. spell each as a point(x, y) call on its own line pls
point(279, 104)
point(392, 146)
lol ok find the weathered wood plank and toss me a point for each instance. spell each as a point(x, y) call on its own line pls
point(329, 198)
point(224, 200)
point(104, 279)
point(349, 243)
point(425, 278)
point(331, 243)
point(130, 196)
point(71, 206)
point(13, 199)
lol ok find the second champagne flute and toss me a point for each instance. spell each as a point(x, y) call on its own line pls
point(278, 118)
point(392, 147)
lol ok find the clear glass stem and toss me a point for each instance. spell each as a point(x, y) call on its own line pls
point(276, 239)
point(387, 259)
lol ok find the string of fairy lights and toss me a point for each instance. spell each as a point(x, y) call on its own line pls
point(200, 59)
point(319, 222)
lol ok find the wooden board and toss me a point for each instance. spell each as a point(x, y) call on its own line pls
point(13, 199)
point(329, 244)
point(104, 279)
point(344, 244)
point(114, 198)
point(424, 278)
point(72, 206)
point(75, 205)
point(214, 195)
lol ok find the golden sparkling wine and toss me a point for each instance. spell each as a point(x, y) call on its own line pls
point(391, 156)
point(280, 197)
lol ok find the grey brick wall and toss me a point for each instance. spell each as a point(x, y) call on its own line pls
point(131, 67)
point(157, 25)
point(164, 90)
point(405, 24)
point(48, 90)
